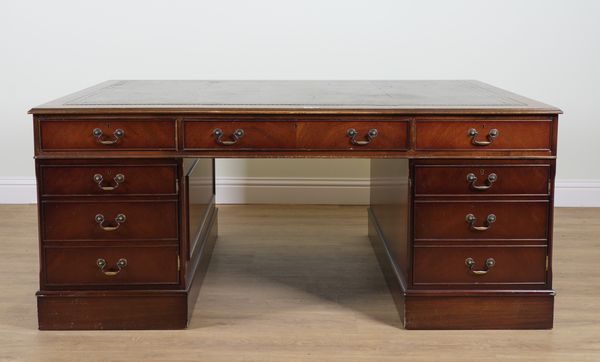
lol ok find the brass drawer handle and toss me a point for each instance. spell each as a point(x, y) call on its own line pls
point(352, 133)
point(235, 137)
point(119, 219)
point(489, 263)
point(121, 263)
point(118, 134)
point(471, 219)
point(492, 134)
point(471, 178)
point(118, 179)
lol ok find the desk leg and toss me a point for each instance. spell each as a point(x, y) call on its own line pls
point(442, 306)
point(122, 304)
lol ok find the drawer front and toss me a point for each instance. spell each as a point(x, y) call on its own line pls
point(480, 265)
point(484, 135)
point(107, 135)
point(111, 265)
point(108, 179)
point(482, 179)
point(490, 220)
point(236, 135)
point(100, 220)
point(348, 135)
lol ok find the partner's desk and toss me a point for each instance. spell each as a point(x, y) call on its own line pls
point(461, 205)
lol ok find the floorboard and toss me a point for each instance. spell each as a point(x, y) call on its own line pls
point(291, 283)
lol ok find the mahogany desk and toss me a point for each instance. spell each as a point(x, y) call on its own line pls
point(461, 205)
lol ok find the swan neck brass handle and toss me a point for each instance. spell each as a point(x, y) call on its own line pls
point(471, 178)
point(471, 219)
point(352, 133)
point(117, 135)
point(101, 221)
point(121, 264)
point(470, 263)
point(235, 136)
point(492, 134)
point(117, 180)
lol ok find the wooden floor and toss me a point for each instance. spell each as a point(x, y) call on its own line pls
point(293, 283)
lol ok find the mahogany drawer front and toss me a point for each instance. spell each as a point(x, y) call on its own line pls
point(236, 135)
point(482, 179)
point(102, 265)
point(108, 179)
point(80, 220)
point(492, 219)
point(348, 135)
point(107, 135)
point(480, 135)
point(480, 265)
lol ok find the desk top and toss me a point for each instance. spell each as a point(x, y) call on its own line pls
point(295, 97)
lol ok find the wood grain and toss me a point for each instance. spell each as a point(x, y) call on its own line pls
point(514, 219)
point(513, 135)
point(144, 220)
point(516, 266)
point(531, 312)
point(450, 179)
point(77, 178)
point(140, 134)
point(301, 284)
point(113, 312)
point(148, 265)
point(332, 135)
point(257, 135)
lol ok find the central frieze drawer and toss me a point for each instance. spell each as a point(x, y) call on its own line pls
point(479, 265)
point(481, 219)
point(114, 265)
point(484, 135)
point(107, 134)
point(353, 135)
point(236, 135)
point(298, 135)
point(101, 220)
